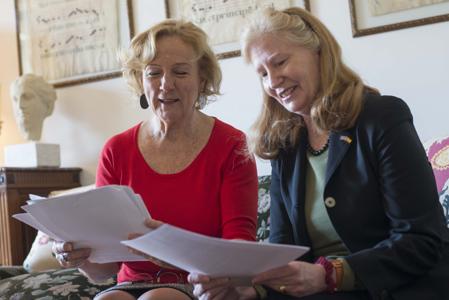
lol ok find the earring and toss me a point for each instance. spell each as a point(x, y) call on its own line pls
point(143, 102)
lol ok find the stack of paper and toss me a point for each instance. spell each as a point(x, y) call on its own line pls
point(98, 219)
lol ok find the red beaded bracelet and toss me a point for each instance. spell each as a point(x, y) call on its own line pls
point(329, 268)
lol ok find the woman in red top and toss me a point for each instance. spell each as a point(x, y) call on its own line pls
point(192, 170)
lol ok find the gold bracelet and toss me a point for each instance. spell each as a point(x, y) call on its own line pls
point(339, 272)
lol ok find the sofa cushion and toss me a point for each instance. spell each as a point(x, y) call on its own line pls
point(263, 209)
point(40, 257)
point(10, 271)
point(54, 284)
point(438, 155)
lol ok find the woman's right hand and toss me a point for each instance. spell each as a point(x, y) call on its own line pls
point(297, 279)
point(68, 257)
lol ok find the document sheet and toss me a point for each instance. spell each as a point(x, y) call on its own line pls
point(213, 256)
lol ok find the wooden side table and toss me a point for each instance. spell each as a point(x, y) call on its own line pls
point(16, 184)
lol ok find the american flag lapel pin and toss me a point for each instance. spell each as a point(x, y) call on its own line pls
point(346, 139)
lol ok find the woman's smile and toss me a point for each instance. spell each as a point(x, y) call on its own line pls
point(286, 94)
point(168, 101)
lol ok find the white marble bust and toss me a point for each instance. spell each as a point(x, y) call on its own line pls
point(33, 100)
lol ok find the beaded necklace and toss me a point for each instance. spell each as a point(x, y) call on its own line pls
point(319, 151)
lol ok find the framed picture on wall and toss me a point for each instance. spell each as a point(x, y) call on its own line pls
point(375, 16)
point(70, 42)
point(223, 20)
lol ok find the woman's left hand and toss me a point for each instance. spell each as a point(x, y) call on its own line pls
point(152, 224)
point(297, 278)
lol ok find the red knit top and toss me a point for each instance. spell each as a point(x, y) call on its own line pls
point(215, 195)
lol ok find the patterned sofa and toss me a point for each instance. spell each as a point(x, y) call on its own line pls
point(16, 283)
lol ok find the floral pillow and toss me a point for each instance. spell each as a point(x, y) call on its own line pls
point(10, 271)
point(444, 199)
point(263, 209)
point(51, 285)
point(438, 155)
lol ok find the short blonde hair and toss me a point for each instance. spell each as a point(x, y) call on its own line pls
point(339, 98)
point(143, 50)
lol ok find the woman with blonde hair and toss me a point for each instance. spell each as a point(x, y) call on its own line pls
point(350, 178)
point(191, 170)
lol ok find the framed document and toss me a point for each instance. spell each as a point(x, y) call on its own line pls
point(70, 42)
point(376, 16)
point(223, 20)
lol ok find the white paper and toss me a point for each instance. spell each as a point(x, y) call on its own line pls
point(98, 219)
point(215, 257)
point(31, 221)
point(34, 198)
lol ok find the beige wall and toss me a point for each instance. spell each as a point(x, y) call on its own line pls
point(411, 64)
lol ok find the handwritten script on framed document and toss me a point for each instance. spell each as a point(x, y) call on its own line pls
point(223, 20)
point(72, 41)
point(377, 16)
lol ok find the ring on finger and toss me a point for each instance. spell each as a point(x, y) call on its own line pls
point(197, 290)
point(282, 289)
point(65, 257)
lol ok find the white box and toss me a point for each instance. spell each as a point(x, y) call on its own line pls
point(32, 155)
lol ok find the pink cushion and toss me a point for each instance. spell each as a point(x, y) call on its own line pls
point(438, 154)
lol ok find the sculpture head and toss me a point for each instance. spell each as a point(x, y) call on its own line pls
point(33, 100)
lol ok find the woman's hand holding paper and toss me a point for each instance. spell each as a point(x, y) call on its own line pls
point(67, 256)
point(152, 224)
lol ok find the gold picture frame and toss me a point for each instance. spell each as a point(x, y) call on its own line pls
point(70, 42)
point(223, 20)
point(365, 22)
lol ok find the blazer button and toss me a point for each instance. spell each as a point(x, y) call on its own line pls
point(330, 202)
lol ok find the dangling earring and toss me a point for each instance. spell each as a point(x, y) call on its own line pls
point(144, 102)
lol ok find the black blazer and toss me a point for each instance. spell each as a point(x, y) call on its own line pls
point(381, 197)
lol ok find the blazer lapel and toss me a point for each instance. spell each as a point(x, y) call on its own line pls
point(338, 145)
point(297, 181)
point(297, 188)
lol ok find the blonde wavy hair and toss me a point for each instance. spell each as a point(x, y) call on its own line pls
point(339, 98)
point(143, 49)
